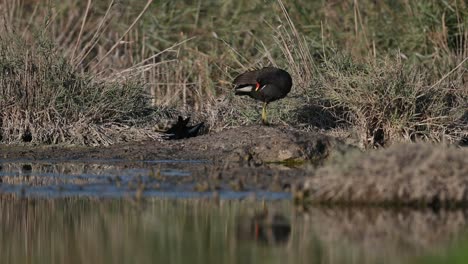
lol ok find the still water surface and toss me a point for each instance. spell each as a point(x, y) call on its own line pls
point(80, 213)
point(117, 178)
point(83, 230)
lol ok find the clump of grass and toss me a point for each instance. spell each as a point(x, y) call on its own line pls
point(382, 99)
point(386, 101)
point(45, 100)
point(404, 174)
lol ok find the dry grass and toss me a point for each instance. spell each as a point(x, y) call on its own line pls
point(382, 99)
point(44, 100)
point(386, 101)
point(408, 174)
point(53, 91)
point(184, 57)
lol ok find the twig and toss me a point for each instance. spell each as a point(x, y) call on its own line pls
point(94, 40)
point(449, 73)
point(81, 30)
point(155, 55)
point(126, 32)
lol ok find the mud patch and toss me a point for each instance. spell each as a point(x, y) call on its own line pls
point(253, 144)
point(237, 162)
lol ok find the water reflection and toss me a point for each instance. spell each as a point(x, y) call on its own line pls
point(264, 227)
point(87, 230)
point(111, 178)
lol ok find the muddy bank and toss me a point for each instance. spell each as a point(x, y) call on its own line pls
point(314, 167)
point(250, 159)
point(107, 178)
point(253, 145)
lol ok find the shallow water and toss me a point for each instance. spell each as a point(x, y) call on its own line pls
point(112, 211)
point(115, 179)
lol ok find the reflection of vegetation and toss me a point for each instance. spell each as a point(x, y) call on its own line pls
point(399, 74)
point(458, 255)
point(121, 231)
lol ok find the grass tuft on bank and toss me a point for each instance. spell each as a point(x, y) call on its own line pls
point(403, 174)
point(386, 101)
point(46, 100)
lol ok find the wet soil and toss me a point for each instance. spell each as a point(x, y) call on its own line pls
point(267, 158)
point(252, 144)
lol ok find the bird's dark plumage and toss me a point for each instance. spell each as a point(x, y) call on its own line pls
point(180, 129)
point(267, 85)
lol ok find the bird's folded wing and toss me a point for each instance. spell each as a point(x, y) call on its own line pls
point(246, 78)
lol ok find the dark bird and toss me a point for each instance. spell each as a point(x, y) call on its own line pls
point(267, 85)
point(180, 129)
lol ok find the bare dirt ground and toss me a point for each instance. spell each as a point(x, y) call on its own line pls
point(270, 158)
point(252, 144)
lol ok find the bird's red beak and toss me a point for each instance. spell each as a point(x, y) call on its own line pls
point(257, 86)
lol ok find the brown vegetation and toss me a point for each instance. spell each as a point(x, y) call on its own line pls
point(408, 174)
point(384, 72)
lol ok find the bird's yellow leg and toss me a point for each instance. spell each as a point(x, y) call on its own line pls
point(264, 114)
